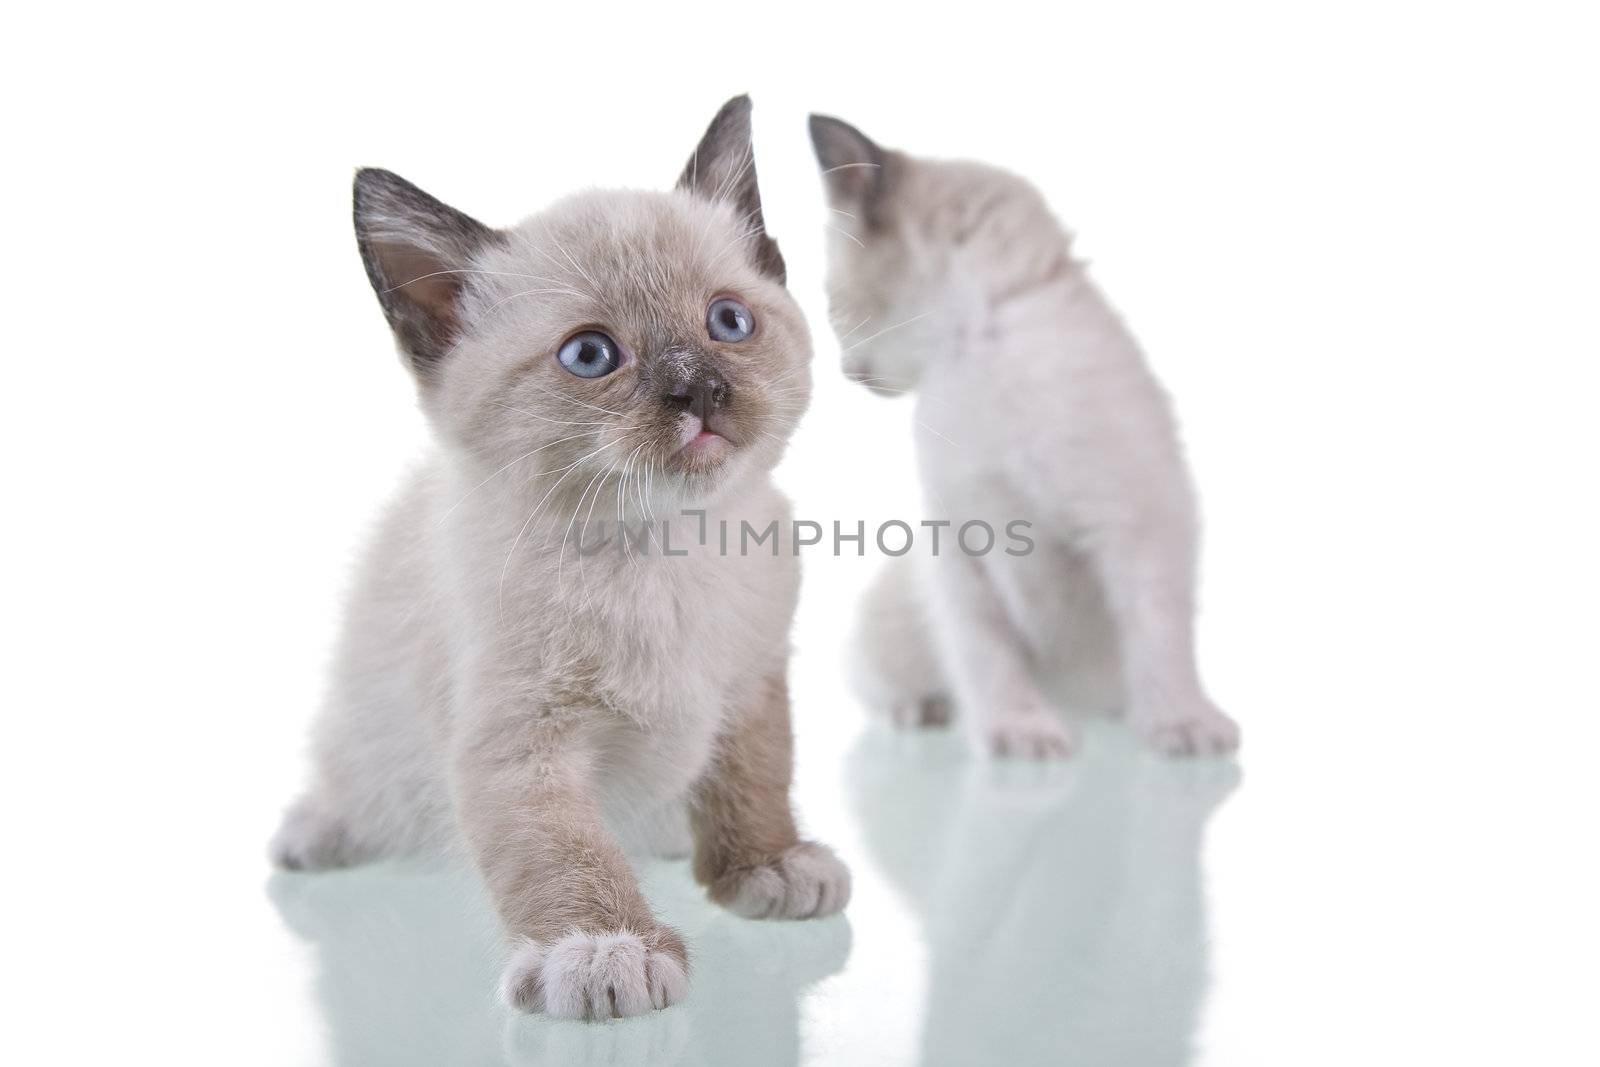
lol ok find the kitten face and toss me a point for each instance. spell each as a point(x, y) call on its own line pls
point(616, 333)
point(889, 272)
point(627, 280)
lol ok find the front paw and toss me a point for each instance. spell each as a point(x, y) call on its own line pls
point(611, 974)
point(309, 839)
point(1199, 730)
point(807, 881)
point(920, 712)
point(1036, 733)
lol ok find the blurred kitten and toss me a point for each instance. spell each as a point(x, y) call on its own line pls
point(494, 688)
point(1033, 402)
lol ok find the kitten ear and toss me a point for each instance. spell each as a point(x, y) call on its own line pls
point(416, 250)
point(723, 167)
point(854, 168)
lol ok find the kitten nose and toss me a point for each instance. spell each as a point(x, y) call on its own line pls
point(700, 397)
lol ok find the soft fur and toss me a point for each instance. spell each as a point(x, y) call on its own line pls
point(1034, 402)
point(498, 690)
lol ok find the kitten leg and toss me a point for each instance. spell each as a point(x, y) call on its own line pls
point(589, 946)
point(1149, 584)
point(892, 664)
point(747, 852)
point(1005, 711)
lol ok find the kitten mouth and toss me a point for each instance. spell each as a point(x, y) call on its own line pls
point(706, 447)
point(699, 441)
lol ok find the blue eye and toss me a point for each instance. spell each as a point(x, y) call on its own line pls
point(728, 320)
point(590, 354)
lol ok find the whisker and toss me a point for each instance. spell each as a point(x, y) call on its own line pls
point(507, 467)
point(583, 573)
point(936, 433)
point(541, 418)
point(570, 261)
point(622, 521)
point(464, 270)
point(585, 404)
point(844, 234)
point(533, 292)
point(731, 245)
point(641, 493)
point(804, 368)
point(886, 329)
point(731, 180)
point(561, 553)
point(854, 328)
point(561, 557)
point(847, 166)
point(901, 390)
point(891, 388)
point(567, 470)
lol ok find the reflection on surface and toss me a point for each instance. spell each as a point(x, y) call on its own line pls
point(408, 958)
point(1060, 910)
point(1061, 904)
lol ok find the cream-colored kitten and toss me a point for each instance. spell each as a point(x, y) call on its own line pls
point(1033, 403)
point(496, 688)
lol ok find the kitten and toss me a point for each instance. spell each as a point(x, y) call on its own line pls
point(1034, 403)
point(495, 688)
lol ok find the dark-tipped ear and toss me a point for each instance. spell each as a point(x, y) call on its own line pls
point(723, 167)
point(417, 251)
point(854, 168)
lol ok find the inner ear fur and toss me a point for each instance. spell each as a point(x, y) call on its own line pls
point(418, 252)
point(723, 168)
point(855, 170)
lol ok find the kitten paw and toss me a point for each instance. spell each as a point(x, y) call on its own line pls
point(1033, 734)
point(1205, 731)
point(920, 712)
point(605, 975)
point(309, 840)
point(806, 882)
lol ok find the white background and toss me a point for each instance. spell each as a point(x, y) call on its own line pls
point(1360, 244)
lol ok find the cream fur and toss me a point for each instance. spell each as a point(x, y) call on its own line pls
point(1033, 401)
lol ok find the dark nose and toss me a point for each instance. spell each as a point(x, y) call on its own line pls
point(701, 396)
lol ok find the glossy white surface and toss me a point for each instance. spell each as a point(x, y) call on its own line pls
point(1360, 245)
point(1004, 914)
